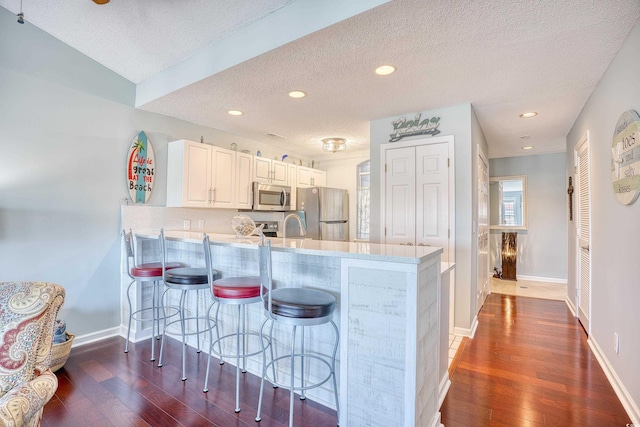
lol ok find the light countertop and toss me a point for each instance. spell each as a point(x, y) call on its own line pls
point(357, 250)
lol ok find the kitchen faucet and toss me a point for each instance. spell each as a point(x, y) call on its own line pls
point(284, 225)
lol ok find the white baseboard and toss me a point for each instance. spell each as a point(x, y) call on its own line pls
point(542, 279)
point(436, 420)
point(569, 303)
point(467, 332)
point(443, 389)
point(618, 387)
point(81, 340)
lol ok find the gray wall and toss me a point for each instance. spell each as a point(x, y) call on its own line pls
point(66, 124)
point(460, 122)
point(615, 228)
point(541, 248)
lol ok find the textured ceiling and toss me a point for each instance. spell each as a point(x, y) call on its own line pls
point(504, 57)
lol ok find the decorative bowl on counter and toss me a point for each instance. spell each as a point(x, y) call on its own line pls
point(243, 226)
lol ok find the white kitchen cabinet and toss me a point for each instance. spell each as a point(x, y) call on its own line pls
point(188, 174)
point(206, 176)
point(292, 173)
point(244, 178)
point(223, 178)
point(269, 171)
point(308, 177)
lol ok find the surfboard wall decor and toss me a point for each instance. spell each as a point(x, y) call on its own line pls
point(140, 169)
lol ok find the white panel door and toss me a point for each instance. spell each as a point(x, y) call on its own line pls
point(432, 197)
point(400, 196)
point(583, 232)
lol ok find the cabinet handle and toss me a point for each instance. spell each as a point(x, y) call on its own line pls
point(585, 248)
point(410, 244)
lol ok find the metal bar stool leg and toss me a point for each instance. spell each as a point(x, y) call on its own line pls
point(264, 365)
point(163, 300)
point(183, 297)
point(302, 396)
point(333, 368)
point(126, 345)
point(206, 378)
point(154, 320)
point(238, 359)
point(293, 372)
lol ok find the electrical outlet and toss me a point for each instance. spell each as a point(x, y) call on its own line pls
point(201, 224)
point(616, 343)
point(186, 224)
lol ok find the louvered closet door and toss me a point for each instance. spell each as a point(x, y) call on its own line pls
point(583, 233)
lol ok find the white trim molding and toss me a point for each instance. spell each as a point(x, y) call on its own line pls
point(467, 332)
point(618, 387)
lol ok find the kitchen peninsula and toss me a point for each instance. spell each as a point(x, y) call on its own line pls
point(388, 313)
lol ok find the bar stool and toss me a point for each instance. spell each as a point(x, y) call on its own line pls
point(184, 279)
point(296, 307)
point(139, 274)
point(238, 291)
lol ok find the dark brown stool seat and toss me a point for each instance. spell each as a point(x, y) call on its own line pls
point(301, 303)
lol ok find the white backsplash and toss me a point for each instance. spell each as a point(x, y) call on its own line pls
point(157, 217)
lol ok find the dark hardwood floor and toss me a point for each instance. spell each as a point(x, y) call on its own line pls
point(100, 385)
point(529, 364)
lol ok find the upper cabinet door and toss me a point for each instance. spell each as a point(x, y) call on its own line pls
point(262, 170)
point(308, 177)
point(318, 178)
point(268, 171)
point(244, 177)
point(188, 174)
point(279, 173)
point(223, 180)
point(304, 177)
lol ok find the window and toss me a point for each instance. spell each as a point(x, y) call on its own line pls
point(363, 202)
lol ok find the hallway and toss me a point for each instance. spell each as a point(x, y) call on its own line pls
point(529, 364)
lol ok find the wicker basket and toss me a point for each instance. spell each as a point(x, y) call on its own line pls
point(60, 352)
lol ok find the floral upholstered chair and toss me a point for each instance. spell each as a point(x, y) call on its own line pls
point(28, 311)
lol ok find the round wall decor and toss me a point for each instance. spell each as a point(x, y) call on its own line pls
point(625, 158)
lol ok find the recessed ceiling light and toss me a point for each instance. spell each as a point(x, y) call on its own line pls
point(528, 115)
point(235, 112)
point(385, 70)
point(528, 147)
point(297, 94)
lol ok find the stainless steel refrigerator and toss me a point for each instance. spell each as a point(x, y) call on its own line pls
point(325, 212)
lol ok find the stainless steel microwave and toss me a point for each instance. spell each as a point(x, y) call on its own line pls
point(271, 197)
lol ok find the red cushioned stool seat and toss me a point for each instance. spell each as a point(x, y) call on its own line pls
point(152, 269)
point(237, 287)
